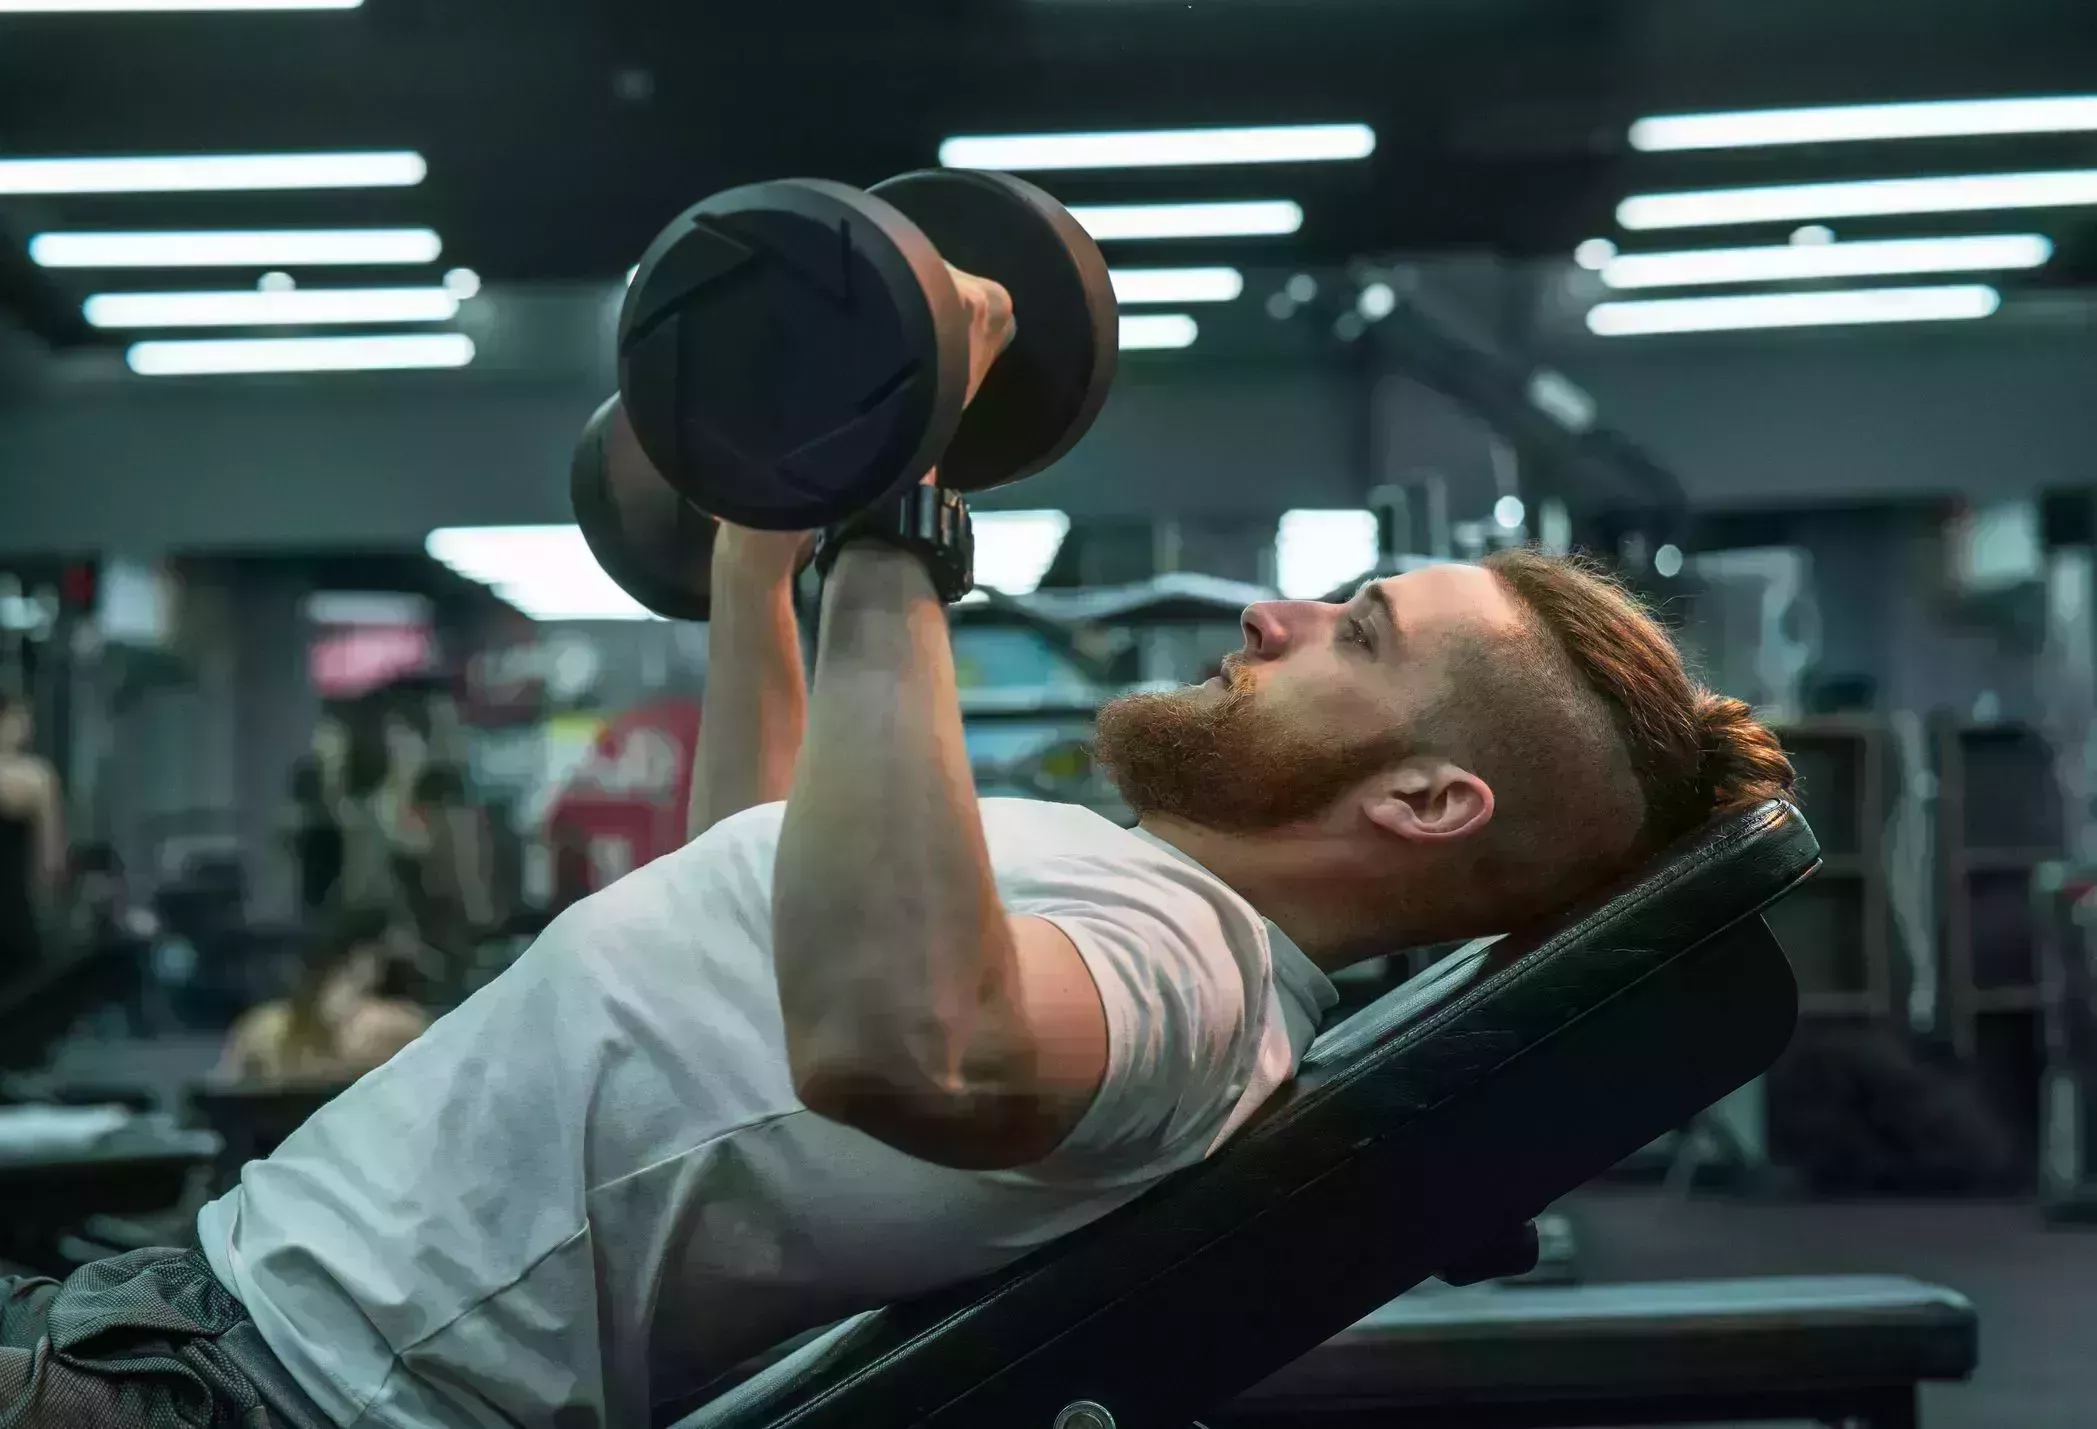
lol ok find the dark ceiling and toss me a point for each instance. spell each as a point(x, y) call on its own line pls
point(562, 133)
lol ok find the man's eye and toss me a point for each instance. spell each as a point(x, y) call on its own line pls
point(1358, 633)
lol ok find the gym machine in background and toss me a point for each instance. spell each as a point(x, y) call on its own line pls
point(2064, 893)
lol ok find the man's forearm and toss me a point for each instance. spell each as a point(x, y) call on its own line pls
point(892, 950)
point(756, 689)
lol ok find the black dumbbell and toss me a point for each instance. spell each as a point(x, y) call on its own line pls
point(792, 352)
point(653, 543)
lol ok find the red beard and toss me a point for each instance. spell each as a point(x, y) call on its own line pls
point(1223, 761)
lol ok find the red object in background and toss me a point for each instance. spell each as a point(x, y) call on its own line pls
point(77, 587)
point(628, 803)
point(344, 661)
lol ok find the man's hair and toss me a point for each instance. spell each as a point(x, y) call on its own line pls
point(1606, 726)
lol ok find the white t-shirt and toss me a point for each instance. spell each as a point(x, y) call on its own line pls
point(591, 1187)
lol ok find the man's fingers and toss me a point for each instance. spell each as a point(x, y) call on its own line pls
point(989, 307)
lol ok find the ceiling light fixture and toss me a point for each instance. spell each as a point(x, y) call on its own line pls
point(213, 173)
point(1775, 310)
point(271, 307)
point(108, 7)
point(1160, 148)
point(546, 572)
point(1177, 285)
point(289, 247)
point(1793, 203)
point(1792, 262)
point(1153, 332)
point(1831, 124)
point(300, 354)
point(1252, 218)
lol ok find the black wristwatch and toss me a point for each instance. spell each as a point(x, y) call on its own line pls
point(930, 522)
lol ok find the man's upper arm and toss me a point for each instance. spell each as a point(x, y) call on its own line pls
point(1121, 1033)
point(1176, 1021)
point(1066, 1022)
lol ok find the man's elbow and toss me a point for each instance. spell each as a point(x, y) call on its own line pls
point(977, 1127)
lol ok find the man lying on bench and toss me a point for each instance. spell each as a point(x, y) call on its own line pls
point(883, 1036)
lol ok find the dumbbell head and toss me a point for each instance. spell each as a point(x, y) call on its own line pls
point(792, 352)
point(1049, 385)
point(654, 544)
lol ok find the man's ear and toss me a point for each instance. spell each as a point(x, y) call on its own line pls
point(1430, 799)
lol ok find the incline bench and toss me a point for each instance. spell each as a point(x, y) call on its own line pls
point(1420, 1137)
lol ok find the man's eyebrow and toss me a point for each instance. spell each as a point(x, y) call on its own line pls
point(1379, 596)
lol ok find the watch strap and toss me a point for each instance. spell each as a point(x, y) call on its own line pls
point(930, 522)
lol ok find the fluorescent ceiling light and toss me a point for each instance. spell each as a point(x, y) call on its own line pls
point(1177, 285)
point(1160, 148)
point(1783, 203)
point(1756, 128)
point(1014, 549)
point(300, 354)
point(279, 307)
point(1156, 331)
point(1793, 261)
point(547, 572)
point(1190, 220)
point(287, 247)
point(1769, 310)
point(1316, 552)
point(206, 173)
point(103, 7)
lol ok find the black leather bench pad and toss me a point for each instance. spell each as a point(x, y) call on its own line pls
point(1435, 1349)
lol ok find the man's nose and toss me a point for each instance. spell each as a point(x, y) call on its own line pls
point(1273, 626)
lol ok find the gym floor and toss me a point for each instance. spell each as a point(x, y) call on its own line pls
point(2035, 1288)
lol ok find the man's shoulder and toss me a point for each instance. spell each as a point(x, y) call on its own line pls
point(265, 1019)
point(29, 773)
point(1061, 850)
point(1054, 825)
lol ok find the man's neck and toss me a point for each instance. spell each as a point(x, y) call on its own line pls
point(1288, 876)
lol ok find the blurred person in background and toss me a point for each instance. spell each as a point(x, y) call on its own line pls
point(450, 874)
point(574, 878)
point(109, 923)
point(32, 837)
point(370, 853)
point(336, 1025)
point(315, 837)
